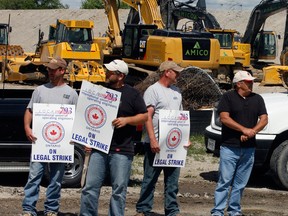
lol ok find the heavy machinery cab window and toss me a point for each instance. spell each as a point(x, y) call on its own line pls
point(3, 35)
point(264, 46)
point(74, 35)
point(79, 35)
point(225, 40)
point(134, 37)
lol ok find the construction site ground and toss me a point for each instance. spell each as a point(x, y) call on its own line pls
point(199, 177)
point(197, 183)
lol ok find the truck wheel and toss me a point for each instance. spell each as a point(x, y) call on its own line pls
point(279, 165)
point(73, 171)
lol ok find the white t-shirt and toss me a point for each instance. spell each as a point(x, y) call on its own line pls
point(51, 94)
point(161, 97)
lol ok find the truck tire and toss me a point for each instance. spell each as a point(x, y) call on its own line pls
point(279, 165)
point(73, 171)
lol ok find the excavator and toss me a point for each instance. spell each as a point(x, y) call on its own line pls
point(264, 42)
point(146, 44)
point(233, 55)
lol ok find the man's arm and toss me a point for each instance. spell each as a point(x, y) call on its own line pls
point(229, 122)
point(263, 121)
point(154, 145)
point(140, 118)
point(27, 125)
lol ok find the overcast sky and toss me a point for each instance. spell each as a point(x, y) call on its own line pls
point(225, 4)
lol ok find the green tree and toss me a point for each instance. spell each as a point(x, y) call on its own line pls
point(98, 4)
point(92, 4)
point(31, 4)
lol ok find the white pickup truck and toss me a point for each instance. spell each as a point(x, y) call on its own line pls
point(272, 141)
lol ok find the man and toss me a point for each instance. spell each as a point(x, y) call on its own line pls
point(161, 95)
point(243, 114)
point(132, 111)
point(54, 92)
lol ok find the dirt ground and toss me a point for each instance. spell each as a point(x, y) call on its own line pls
point(197, 184)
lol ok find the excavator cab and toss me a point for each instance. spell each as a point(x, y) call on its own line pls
point(134, 40)
point(264, 46)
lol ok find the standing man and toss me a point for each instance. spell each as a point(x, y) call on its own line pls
point(161, 95)
point(54, 92)
point(243, 114)
point(132, 111)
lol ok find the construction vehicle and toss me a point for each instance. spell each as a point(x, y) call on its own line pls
point(71, 40)
point(146, 44)
point(264, 43)
point(233, 55)
point(12, 56)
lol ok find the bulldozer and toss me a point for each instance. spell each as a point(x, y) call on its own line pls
point(71, 40)
point(12, 56)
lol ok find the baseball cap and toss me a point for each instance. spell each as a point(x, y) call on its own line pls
point(57, 63)
point(166, 65)
point(117, 65)
point(242, 75)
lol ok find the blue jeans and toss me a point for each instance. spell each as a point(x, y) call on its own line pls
point(234, 171)
point(100, 164)
point(151, 174)
point(31, 189)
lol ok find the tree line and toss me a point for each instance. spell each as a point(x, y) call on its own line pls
point(50, 4)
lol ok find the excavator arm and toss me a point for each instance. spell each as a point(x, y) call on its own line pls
point(172, 12)
point(148, 13)
point(260, 13)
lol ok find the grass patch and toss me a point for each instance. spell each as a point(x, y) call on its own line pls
point(198, 146)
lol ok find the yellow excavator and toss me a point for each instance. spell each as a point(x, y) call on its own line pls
point(146, 44)
point(233, 54)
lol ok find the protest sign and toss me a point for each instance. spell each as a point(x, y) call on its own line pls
point(174, 130)
point(52, 126)
point(97, 107)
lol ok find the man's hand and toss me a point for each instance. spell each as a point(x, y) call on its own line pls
point(187, 145)
point(119, 122)
point(244, 138)
point(154, 145)
point(249, 132)
point(30, 135)
point(87, 149)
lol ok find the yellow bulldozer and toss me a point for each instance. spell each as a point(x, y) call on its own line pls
point(71, 40)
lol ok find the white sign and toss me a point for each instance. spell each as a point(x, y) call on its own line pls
point(174, 132)
point(97, 107)
point(52, 126)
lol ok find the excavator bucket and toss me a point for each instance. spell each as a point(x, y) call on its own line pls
point(271, 76)
point(283, 71)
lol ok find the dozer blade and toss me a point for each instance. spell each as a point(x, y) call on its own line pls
point(271, 76)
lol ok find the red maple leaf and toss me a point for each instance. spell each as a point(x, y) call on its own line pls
point(53, 132)
point(173, 138)
point(95, 116)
